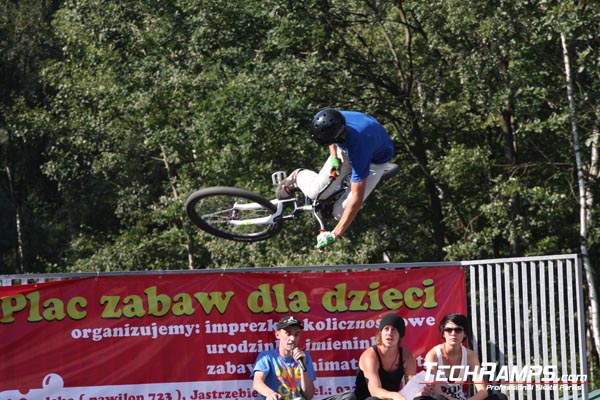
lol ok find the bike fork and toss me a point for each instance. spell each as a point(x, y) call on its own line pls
point(321, 226)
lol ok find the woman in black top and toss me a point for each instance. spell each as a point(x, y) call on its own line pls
point(382, 367)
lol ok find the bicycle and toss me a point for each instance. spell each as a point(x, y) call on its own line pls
point(244, 216)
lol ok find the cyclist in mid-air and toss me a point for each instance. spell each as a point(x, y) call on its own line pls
point(358, 144)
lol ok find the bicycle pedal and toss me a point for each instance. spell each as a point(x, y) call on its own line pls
point(277, 177)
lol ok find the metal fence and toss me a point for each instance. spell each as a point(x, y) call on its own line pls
point(530, 312)
point(525, 313)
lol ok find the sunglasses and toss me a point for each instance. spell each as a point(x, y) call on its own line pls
point(458, 329)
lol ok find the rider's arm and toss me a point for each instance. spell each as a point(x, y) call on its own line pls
point(353, 207)
point(333, 150)
point(258, 384)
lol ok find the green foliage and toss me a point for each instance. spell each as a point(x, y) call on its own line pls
point(112, 113)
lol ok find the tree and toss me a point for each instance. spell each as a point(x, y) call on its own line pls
point(27, 199)
point(584, 175)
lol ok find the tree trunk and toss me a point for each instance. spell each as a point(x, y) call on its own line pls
point(20, 249)
point(188, 243)
point(585, 199)
point(436, 209)
point(510, 153)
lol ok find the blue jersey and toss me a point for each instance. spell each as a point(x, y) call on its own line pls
point(282, 374)
point(366, 142)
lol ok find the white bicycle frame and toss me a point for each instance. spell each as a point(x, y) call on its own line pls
point(276, 178)
point(271, 218)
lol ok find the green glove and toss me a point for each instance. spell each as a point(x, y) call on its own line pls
point(325, 239)
point(335, 164)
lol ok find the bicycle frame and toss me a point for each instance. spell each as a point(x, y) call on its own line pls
point(310, 204)
point(278, 214)
point(271, 218)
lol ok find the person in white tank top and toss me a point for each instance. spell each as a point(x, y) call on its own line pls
point(451, 390)
point(454, 329)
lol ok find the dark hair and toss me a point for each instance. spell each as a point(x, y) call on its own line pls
point(458, 320)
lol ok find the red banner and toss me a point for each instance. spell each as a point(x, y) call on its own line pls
point(196, 336)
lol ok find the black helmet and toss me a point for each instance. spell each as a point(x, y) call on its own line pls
point(327, 127)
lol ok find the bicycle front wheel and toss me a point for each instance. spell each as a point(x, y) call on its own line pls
point(232, 213)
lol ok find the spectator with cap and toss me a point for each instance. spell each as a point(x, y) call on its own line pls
point(285, 372)
point(382, 366)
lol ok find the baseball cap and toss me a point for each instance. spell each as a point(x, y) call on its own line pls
point(393, 320)
point(289, 321)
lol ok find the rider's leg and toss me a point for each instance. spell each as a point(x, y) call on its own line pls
point(311, 182)
point(377, 171)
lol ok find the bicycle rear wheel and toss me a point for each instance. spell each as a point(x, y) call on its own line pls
point(232, 213)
